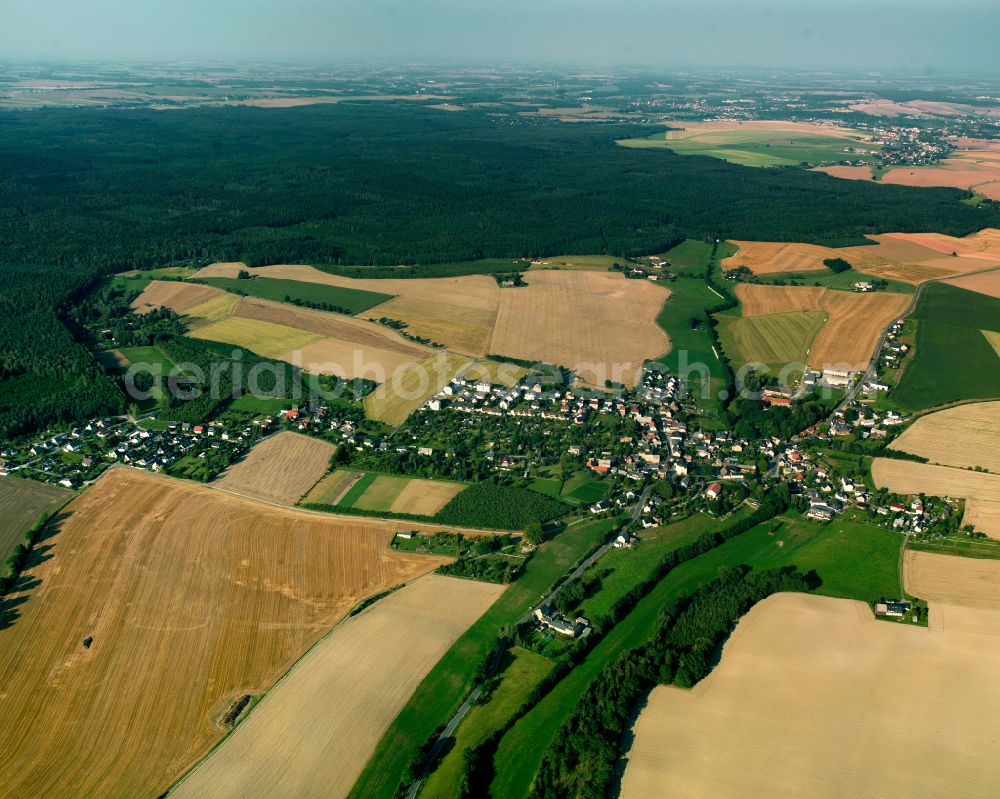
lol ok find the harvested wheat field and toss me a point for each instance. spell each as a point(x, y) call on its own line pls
point(993, 337)
point(597, 323)
point(22, 502)
point(458, 312)
point(814, 697)
point(280, 469)
point(853, 325)
point(968, 435)
point(179, 297)
point(408, 388)
point(975, 170)
point(264, 338)
point(952, 580)
point(778, 257)
point(313, 733)
point(907, 257)
point(987, 283)
point(980, 490)
point(425, 497)
point(501, 373)
point(193, 598)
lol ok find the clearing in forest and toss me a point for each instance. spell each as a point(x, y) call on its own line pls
point(279, 469)
point(313, 733)
point(760, 143)
point(980, 490)
point(157, 605)
point(801, 705)
point(965, 436)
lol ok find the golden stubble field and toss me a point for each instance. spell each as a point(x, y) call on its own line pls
point(311, 736)
point(854, 321)
point(908, 257)
point(563, 316)
point(280, 469)
point(965, 436)
point(980, 490)
point(597, 322)
point(22, 502)
point(193, 597)
point(952, 580)
point(814, 697)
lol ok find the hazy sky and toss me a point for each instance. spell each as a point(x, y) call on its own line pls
point(942, 35)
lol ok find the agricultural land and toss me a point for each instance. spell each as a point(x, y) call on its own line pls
point(151, 591)
point(854, 322)
point(954, 358)
point(967, 436)
point(800, 705)
point(313, 733)
point(951, 580)
point(345, 488)
point(408, 387)
point(760, 143)
point(980, 490)
point(280, 469)
point(22, 502)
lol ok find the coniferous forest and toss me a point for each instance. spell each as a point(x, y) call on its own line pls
point(85, 193)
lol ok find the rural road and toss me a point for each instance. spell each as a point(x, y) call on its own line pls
point(636, 512)
point(449, 730)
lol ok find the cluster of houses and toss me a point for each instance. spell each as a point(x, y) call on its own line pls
point(893, 350)
point(557, 622)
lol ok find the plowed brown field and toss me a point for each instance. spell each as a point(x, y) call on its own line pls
point(281, 468)
point(193, 597)
point(987, 283)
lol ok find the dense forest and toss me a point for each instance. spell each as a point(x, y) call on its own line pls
point(87, 192)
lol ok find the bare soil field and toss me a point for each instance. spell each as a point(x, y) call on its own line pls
point(408, 388)
point(987, 283)
point(965, 436)
point(854, 321)
point(192, 598)
point(952, 580)
point(312, 734)
point(21, 504)
point(279, 469)
point(598, 323)
point(814, 697)
point(981, 490)
point(179, 297)
point(908, 257)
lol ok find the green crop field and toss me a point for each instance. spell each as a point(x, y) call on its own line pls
point(444, 689)
point(580, 488)
point(381, 493)
point(953, 360)
point(689, 257)
point(691, 346)
point(524, 671)
point(853, 559)
point(774, 339)
point(21, 504)
point(752, 146)
point(350, 300)
point(356, 490)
